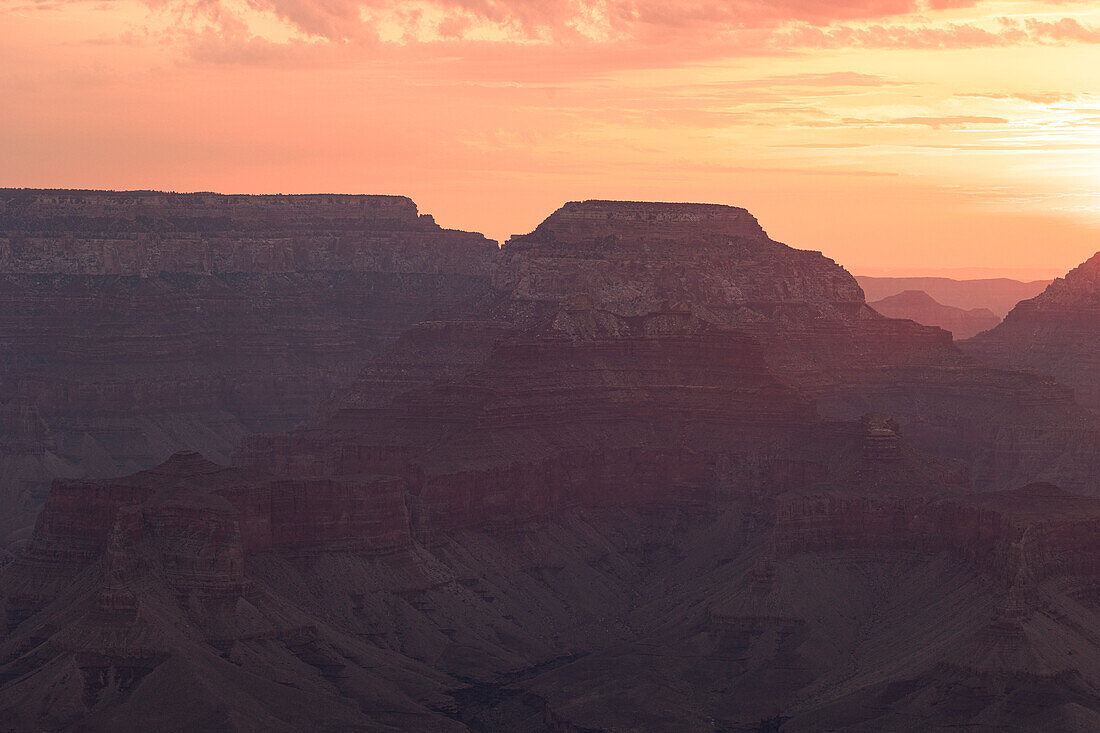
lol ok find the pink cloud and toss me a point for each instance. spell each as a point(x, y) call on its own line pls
point(931, 36)
point(445, 39)
point(562, 20)
point(1066, 29)
point(947, 121)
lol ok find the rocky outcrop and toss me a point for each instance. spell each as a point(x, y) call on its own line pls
point(919, 306)
point(1056, 333)
point(814, 328)
point(807, 312)
point(144, 233)
point(599, 278)
point(1035, 532)
point(136, 324)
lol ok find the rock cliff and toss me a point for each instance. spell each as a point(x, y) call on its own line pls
point(602, 273)
point(662, 473)
point(813, 326)
point(136, 324)
point(806, 311)
point(322, 602)
point(146, 233)
point(1057, 332)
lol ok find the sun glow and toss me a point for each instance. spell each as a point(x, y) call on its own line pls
point(965, 124)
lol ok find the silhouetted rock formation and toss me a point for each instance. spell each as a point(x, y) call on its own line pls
point(807, 311)
point(603, 270)
point(999, 295)
point(652, 478)
point(146, 233)
point(1056, 332)
point(815, 330)
point(136, 324)
point(919, 306)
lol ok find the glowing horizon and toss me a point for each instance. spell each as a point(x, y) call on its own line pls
point(893, 135)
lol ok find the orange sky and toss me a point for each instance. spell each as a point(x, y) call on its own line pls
point(893, 135)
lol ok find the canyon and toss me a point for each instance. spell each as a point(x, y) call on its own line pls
point(643, 468)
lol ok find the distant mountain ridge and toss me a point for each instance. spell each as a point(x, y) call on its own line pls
point(921, 307)
point(999, 295)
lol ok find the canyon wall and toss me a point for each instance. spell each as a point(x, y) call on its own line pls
point(1057, 332)
point(332, 601)
point(136, 324)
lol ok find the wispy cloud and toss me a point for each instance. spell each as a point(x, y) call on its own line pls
point(933, 122)
point(820, 110)
point(582, 33)
point(1024, 96)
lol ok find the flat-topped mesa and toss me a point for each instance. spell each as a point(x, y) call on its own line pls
point(589, 217)
point(134, 324)
point(630, 258)
point(145, 232)
point(105, 211)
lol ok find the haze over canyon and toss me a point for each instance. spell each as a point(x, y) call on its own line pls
point(313, 462)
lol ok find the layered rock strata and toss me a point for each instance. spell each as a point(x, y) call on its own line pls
point(134, 324)
point(617, 261)
point(602, 495)
point(317, 603)
point(806, 312)
point(1057, 332)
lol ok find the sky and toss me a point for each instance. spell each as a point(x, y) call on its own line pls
point(951, 137)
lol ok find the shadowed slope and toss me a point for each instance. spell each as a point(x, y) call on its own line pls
point(1056, 332)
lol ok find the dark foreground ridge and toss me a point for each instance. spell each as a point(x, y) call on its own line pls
point(660, 473)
